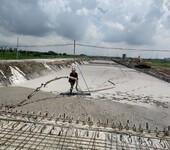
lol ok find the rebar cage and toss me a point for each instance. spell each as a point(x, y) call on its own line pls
point(20, 130)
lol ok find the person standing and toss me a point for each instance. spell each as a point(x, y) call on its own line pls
point(73, 79)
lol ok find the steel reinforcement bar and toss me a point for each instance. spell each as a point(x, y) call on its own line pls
point(36, 131)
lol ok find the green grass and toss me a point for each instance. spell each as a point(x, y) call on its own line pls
point(12, 54)
point(160, 63)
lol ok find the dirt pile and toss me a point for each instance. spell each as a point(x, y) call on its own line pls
point(162, 71)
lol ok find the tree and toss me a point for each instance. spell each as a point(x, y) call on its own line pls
point(51, 52)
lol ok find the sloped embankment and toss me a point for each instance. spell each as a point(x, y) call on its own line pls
point(15, 72)
point(160, 73)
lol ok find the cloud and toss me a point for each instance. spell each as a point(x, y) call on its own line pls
point(72, 26)
point(128, 22)
point(23, 17)
point(120, 21)
point(139, 27)
point(113, 25)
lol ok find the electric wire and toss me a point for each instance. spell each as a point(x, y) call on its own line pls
point(92, 46)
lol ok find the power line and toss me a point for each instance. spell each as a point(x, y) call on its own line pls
point(119, 48)
point(92, 46)
point(52, 45)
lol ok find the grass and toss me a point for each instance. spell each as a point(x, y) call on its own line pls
point(12, 54)
point(160, 63)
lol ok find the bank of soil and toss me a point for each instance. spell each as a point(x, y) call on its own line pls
point(30, 69)
point(158, 72)
point(163, 73)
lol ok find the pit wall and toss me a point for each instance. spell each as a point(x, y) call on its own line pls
point(147, 71)
point(16, 72)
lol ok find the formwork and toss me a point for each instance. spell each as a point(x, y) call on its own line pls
point(23, 131)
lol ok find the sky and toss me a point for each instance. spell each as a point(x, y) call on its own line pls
point(122, 25)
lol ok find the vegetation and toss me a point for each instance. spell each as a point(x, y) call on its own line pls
point(7, 54)
point(160, 63)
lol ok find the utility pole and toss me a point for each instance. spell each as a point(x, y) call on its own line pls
point(74, 49)
point(17, 47)
point(26, 51)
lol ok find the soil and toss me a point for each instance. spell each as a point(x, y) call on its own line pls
point(162, 71)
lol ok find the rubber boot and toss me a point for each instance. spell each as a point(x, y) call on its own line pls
point(71, 91)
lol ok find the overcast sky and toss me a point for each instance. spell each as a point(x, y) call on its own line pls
point(143, 24)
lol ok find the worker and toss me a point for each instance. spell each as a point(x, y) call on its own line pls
point(73, 79)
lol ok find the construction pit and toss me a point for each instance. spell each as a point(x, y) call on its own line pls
point(126, 109)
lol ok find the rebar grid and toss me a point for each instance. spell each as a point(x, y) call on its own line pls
point(29, 131)
point(36, 139)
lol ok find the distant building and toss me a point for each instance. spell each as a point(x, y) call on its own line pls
point(124, 56)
